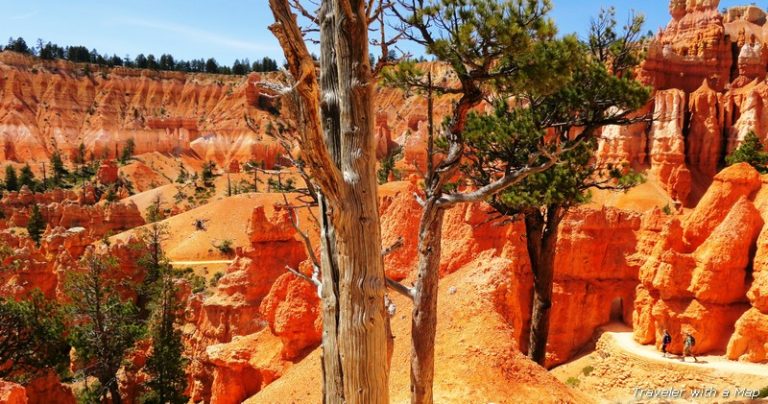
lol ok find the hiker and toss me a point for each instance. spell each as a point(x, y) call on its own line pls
point(688, 344)
point(665, 341)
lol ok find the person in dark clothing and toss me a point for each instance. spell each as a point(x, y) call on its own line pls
point(665, 341)
point(688, 344)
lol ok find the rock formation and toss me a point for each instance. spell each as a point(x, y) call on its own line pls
point(292, 309)
point(625, 144)
point(667, 144)
point(49, 389)
point(12, 393)
point(692, 48)
point(161, 111)
point(750, 339)
point(728, 187)
point(108, 172)
point(596, 272)
point(696, 277)
point(706, 100)
point(705, 141)
point(71, 227)
point(233, 308)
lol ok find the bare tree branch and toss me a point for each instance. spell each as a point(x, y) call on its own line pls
point(400, 288)
point(396, 245)
point(304, 237)
point(302, 276)
point(296, 4)
point(448, 200)
point(302, 68)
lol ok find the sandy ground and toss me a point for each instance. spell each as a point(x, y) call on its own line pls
point(476, 358)
point(206, 269)
point(619, 366)
point(626, 342)
point(224, 218)
point(644, 197)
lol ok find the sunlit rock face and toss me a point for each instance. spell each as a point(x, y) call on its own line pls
point(692, 48)
point(700, 276)
point(220, 118)
point(705, 137)
point(708, 73)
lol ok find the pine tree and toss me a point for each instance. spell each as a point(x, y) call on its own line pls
point(106, 326)
point(31, 337)
point(128, 149)
point(502, 51)
point(36, 224)
point(183, 176)
point(750, 151)
point(207, 174)
point(59, 170)
point(152, 260)
point(27, 177)
point(11, 180)
point(601, 84)
point(80, 155)
point(154, 211)
point(211, 66)
point(166, 366)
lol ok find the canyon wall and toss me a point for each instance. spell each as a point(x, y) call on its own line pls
point(47, 105)
point(708, 71)
point(58, 105)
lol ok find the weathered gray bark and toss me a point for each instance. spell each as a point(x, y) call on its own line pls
point(424, 319)
point(362, 286)
point(333, 387)
point(333, 382)
point(339, 148)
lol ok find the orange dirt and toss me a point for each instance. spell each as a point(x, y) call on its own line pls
point(475, 356)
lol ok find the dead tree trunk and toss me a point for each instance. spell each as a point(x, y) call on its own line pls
point(339, 148)
point(424, 319)
point(362, 325)
point(333, 381)
point(541, 232)
point(333, 388)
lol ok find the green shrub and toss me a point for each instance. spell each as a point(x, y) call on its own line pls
point(36, 225)
point(216, 278)
point(750, 151)
point(763, 392)
point(225, 246)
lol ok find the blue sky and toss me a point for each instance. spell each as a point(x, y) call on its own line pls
point(223, 29)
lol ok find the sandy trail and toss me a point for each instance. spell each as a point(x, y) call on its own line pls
point(194, 263)
point(623, 340)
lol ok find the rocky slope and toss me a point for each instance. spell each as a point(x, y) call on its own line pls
point(58, 105)
point(47, 105)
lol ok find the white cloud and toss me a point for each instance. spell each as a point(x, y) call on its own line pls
point(198, 34)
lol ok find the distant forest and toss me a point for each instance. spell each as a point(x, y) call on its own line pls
point(81, 54)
